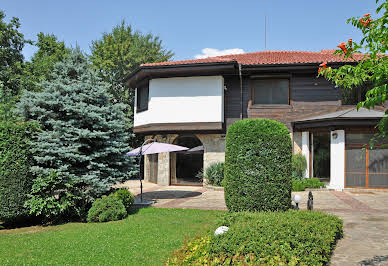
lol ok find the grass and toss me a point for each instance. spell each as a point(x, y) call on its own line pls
point(145, 238)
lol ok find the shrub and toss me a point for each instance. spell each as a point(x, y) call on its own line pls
point(265, 238)
point(298, 185)
point(126, 197)
point(258, 166)
point(53, 201)
point(107, 208)
point(302, 184)
point(215, 174)
point(313, 183)
point(15, 176)
point(199, 175)
point(299, 165)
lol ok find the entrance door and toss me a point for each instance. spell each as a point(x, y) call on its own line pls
point(365, 167)
point(188, 165)
point(321, 156)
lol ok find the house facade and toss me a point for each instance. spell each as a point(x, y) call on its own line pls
point(193, 102)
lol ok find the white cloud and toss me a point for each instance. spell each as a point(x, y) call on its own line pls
point(209, 52)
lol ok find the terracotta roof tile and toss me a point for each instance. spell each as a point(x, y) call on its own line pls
point(268, 58)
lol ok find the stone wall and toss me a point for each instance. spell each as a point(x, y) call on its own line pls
point(214, 148)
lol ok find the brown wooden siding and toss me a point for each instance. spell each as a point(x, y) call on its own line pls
point(309, 96)
point(308, 89)
point(232, 98)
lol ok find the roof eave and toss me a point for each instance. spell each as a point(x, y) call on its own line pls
point(135, 76)
point(131, 78)
point(338, 122)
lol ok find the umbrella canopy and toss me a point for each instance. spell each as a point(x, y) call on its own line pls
point(196, 149)
point(156, 147)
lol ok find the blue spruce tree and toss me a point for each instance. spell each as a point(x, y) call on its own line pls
point(80, 150)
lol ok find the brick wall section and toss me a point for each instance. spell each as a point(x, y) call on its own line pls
point(292, 113)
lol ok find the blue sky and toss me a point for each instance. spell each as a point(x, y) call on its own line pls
point(187, 27)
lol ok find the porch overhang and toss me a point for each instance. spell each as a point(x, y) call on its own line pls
point(339, 120)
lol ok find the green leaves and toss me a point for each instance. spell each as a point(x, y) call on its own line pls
point(215, 173)
point(107, 208)
point(83, 139)
point(50, 51)
point(121, 51)
point(258, 166)
point(15, 175)
point(11, 58)
point(265, 238)
point(372, 71)
point(51, 197)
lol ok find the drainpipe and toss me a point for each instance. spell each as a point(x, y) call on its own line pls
point(241, 92)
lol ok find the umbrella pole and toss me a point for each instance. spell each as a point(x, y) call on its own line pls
point(141, 176)
point(141, 191)
point(140, 169)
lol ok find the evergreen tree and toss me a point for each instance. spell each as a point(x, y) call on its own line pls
point(83, 138)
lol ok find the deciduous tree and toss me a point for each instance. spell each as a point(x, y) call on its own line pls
point(11, 64)
point(50, 51)
point(121, 51)
point(372, 70)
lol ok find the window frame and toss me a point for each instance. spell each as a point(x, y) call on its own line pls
point(270, 104)
point(138, 107)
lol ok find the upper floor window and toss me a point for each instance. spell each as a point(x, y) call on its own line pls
point(270, 91)
point(142, 98)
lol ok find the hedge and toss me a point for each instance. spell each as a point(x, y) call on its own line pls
point(15, 176)
point(258, 166)
point(265, 238)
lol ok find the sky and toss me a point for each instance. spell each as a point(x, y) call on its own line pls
point(196, 29)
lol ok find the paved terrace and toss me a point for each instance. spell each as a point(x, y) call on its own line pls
point(365, 215)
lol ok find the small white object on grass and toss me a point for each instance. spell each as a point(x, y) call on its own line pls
point(221, 230)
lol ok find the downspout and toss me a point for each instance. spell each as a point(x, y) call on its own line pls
point(241, 92)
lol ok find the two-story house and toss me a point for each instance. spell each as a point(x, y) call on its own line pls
point(193, 102)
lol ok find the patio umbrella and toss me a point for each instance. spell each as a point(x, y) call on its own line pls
point(196, 149)
point(156, 147)
point(152, 148)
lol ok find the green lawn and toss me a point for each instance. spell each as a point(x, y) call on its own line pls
point(145, 238)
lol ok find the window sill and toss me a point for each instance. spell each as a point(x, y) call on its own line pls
point(270, 106)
